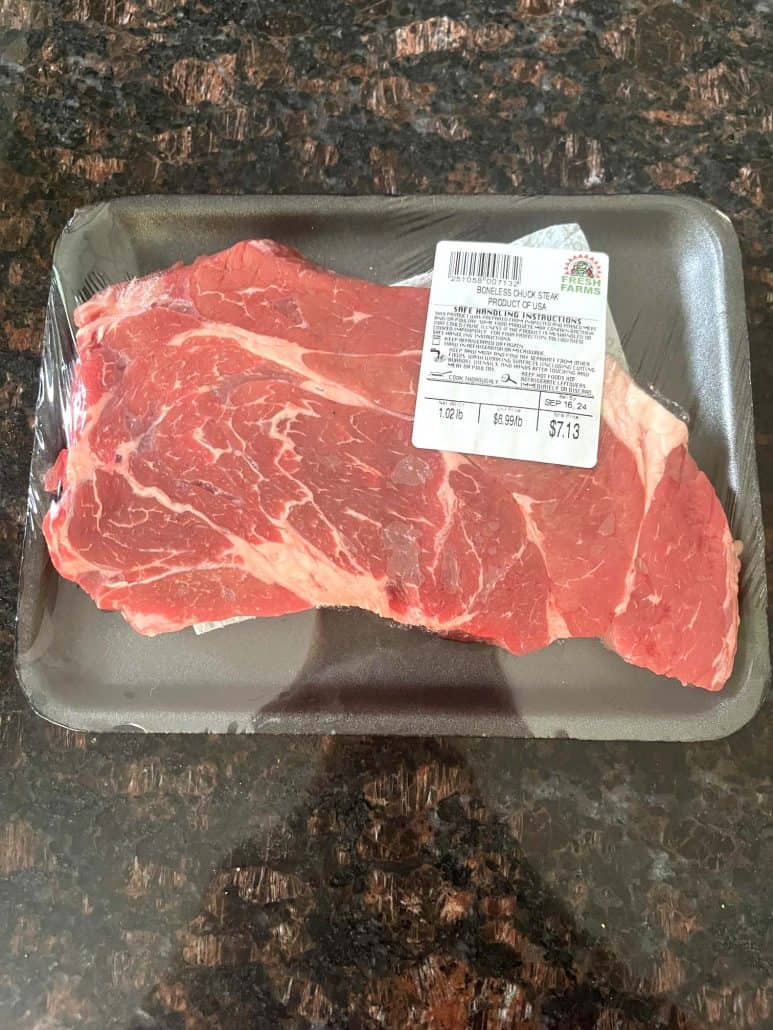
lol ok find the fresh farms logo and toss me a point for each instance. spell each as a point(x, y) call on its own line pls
point(582, 274)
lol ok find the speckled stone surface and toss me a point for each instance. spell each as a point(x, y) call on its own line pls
point(249, 882)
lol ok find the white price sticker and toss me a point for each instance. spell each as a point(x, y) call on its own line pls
point(513, 359)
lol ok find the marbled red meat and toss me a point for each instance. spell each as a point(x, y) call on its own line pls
point(240, 445)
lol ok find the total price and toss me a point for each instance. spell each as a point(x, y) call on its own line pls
point(563, 430)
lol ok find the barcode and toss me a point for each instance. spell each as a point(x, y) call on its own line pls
point(482, 264)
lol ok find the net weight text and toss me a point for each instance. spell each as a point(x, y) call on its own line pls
point(448, 412)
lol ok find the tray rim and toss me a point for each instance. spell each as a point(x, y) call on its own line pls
point(725, 242)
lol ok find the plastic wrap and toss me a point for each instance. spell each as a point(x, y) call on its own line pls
point(676, 293)
point(556, 236)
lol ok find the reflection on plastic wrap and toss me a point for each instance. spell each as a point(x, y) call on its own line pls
point(674, 407)
point(348, 671)
point(52, 413)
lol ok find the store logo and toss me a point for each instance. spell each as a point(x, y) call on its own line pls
point(581, 274)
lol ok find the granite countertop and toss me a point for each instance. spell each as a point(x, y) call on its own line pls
point(153, 882)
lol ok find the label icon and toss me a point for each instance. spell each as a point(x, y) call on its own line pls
point(581, 274)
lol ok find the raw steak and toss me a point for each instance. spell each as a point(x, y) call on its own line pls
point(239, 444)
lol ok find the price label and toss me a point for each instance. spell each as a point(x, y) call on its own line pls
point(513, 358)
point(558, 428)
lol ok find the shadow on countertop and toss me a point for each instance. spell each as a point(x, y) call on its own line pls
point(370, 907)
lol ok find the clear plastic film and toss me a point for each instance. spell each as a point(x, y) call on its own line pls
point(338, 670)
point(57, 362)
point(557, 237)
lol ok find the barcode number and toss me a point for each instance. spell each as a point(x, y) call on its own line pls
point(481, 264)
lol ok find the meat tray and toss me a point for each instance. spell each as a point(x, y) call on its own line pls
point(676, 292)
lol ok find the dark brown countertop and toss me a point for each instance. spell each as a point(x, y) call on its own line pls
point(237, 882)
